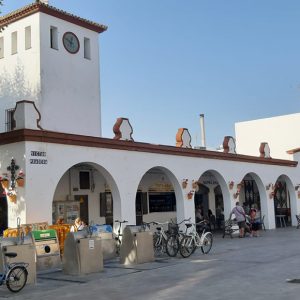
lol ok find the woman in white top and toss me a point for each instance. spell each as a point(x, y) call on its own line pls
point(78, 225)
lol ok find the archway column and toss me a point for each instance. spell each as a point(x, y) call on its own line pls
point(267, 209)
point(211, 199)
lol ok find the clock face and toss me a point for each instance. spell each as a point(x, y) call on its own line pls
point(71, 42)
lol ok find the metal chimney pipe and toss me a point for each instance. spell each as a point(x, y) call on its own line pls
point(203, 138)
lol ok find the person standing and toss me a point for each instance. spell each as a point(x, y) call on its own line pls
point(240, 216)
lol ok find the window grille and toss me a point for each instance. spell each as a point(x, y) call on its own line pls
point(9, 120)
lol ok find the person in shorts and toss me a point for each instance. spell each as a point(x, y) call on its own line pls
point(240, 216)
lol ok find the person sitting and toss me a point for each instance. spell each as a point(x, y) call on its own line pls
point(60, 221)
point(254, 223)
point(78, 225)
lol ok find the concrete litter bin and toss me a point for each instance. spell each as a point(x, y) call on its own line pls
point(137, 246)
point(25, 253)
point(47, 250)
point(82, 254)
point(108, 242)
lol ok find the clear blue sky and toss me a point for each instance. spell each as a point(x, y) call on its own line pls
point(163, 62)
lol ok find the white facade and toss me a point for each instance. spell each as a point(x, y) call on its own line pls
point(64, 97)
point(279, 132)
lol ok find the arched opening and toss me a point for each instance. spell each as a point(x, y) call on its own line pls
point(249, 194)
point(209, 198)
point(283, 196)
point(156, 197)
point(85, 190)
point(219, 205)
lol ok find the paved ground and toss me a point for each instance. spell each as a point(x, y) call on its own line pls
point(249, 268)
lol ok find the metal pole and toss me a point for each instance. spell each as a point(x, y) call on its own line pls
point(203, 138)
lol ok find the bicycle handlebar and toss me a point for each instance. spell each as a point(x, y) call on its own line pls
point(157, 223)
point(185, 220)
point(117, 221)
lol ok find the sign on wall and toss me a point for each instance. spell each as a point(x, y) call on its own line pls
point(38, 158)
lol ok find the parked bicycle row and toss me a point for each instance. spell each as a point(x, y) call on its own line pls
point(169, 239)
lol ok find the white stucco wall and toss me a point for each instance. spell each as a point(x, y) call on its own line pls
point(279, 132)
point(65, 87)
point(20, 72)
point(70, 83)
point(123, 172)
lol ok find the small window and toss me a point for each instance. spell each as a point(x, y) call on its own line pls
point(162, 202)
point(87, 48)
point(14, 42)
point(84, 180)
point(9, 119)
point(53, 37)
point(27, 37)
point(1, 47)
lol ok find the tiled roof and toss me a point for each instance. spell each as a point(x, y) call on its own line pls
point(50, 10)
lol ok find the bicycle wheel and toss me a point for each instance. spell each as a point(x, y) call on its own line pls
point(157, 244)
point(172, 246)
point(206, 241)
point(16, 278)
point(187, 246)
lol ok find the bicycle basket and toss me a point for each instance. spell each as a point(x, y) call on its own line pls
point(173, 228)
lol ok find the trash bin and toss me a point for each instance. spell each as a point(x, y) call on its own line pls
point(137, 246)
point(108, 242)
point(25, 253)
point(47, 250)
point(82, 254)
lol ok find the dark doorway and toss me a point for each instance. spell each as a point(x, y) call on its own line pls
point(3, 214)
point(141, 207)
point(106, 207)
point(201, 200)
point(84, 207)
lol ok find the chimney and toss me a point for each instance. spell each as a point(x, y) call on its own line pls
point(203, 139)
point(45, 2)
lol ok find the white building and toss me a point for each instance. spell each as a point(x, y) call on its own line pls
point(278, 132)
point(70, 170)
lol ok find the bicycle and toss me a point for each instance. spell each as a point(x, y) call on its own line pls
point(174, 239)
point(118, 237)
point(160, 238)
point(193, 240)
point(14, 274)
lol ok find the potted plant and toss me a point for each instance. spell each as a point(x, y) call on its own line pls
point(190, 195)
point(12, 196)
point(4, 181)
point(184, 183)
point(20, 178)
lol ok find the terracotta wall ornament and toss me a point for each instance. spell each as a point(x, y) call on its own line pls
point(123, 130)
point(264, 150)
point(229, 145)
point(195, 185)
point(230, 184)
point(268, 186)
point(184, 183)
point(183, 138)
point(190, 195)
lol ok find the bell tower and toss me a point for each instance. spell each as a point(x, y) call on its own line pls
point(51, 57)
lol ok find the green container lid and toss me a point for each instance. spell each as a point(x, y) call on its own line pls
point(43, 234)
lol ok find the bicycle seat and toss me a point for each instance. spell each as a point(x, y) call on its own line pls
point(188, 225)
point(10, 254)
point(158, 228)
